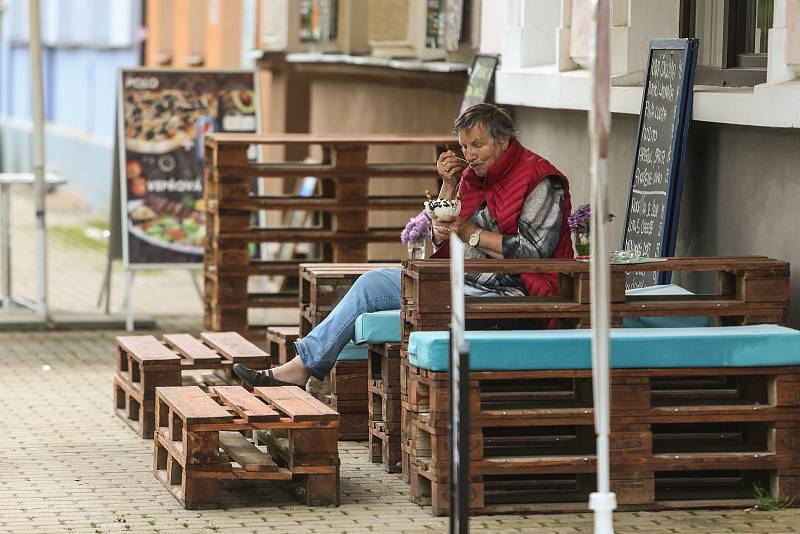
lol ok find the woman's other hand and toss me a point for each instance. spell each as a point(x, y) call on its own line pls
point(450, 167)
point(445, 224)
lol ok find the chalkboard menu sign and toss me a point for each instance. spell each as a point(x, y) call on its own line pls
point(651, 218)
point(479, 85)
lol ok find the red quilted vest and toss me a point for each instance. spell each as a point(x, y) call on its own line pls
point(504, 189)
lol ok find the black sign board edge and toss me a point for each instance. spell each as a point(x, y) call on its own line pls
point(688, 103)
point(689, 48)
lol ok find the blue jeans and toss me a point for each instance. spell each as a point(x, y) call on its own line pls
point(375, 290)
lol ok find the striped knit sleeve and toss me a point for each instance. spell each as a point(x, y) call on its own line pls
point(539, 223)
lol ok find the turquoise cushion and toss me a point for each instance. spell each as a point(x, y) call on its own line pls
point(519, 350)
point(663, 322)
point(353, 352)
point(378, 327)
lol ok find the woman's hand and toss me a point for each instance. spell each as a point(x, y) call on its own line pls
point(450, 167)
point(445, 224)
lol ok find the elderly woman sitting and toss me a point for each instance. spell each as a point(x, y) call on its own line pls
point(513, 205)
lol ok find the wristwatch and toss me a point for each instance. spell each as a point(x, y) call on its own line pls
point(475, 238)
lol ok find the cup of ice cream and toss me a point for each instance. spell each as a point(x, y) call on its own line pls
point(442, 207)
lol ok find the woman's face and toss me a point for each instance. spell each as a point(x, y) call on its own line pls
point(480, 150)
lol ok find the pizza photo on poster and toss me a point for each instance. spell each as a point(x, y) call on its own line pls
point(165, 117)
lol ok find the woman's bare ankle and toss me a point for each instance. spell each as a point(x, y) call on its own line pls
point(293, 371)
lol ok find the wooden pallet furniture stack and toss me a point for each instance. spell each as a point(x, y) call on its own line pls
point(145, 363)
point(749, 290)
point(202, 438)
point(342, 210)
point(681, 437)
point(322, 286)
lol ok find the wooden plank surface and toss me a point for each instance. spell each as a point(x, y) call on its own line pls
point(297, 404)
point(148, 350)
point(691, 264)
point(336, 139)
point(283, 332)
point(232, 345)
point(244, 453)
point(193, 405)
point(249, 407)
point(191, 348)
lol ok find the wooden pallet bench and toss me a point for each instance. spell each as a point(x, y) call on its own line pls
point(340, 205)
point(201, 439)
point(682, 436)
point(280, 342)
point(749, 290)
point(145, 363)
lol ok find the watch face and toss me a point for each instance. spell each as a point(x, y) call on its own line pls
point(473, 239)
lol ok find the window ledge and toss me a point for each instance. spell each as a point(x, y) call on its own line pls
point(767, 105)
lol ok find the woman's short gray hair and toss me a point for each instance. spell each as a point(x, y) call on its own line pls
point(495, 120)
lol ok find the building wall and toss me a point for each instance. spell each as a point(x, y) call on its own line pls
point(378, 100)
point(740, 185)
point(80, 65)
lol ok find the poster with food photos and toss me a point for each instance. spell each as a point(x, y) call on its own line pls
point(163, 117)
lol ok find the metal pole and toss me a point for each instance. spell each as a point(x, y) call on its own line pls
point(37, 99)
point(603, 501)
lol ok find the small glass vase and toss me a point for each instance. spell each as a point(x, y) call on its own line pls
point(416, 251)
point(582, 239)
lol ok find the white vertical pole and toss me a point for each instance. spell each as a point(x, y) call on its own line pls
point(37, 99)
point(603, 501)
point(129, 324)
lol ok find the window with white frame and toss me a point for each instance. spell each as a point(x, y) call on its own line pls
point(733, 38)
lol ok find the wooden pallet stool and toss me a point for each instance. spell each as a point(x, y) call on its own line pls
point(699, 417)
point(380, 331)
point(280, 342)
point(145, 363)
point(384, 406)
point(201, 439)
point(349, 393)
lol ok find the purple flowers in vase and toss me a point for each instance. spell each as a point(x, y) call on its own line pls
point(579, 224)
point(416, 232)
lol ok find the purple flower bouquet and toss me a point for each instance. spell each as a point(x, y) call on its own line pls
point(416, 232)
point(579, 224)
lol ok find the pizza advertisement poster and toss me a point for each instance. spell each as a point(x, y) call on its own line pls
point(163, 116)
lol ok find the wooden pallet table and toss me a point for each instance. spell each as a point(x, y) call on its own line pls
point(145, 363)
point(674, 443)
point(201, 440)
point(749, 290)
point(280, 342)
point(340, 210)
point(323, 285)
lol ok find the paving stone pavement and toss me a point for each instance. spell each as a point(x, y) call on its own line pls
point(68, 464)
